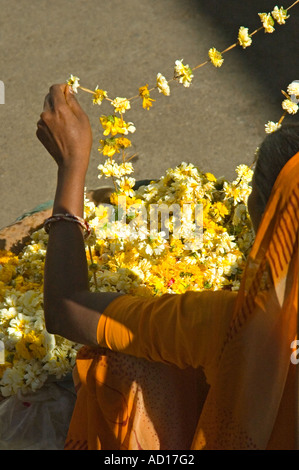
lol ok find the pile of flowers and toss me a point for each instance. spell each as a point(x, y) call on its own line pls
point(30, 354)
point(136, 249)
point(127, 256)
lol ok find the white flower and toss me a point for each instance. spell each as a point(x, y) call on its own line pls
point(183, 73)
point(272, 127)
point(289, 106)
point(280, 15)
point(244, 38)
point(111, 168)
point(293, 89)
point(126, 168)
point(244, 172)
point(73, 82)
point(121, 105)
point(130, 128)
point(57, 366)
point(13, 379)
point(162, 85)
point(126, 185)
point(16, 328)
point(34, 375)
point(268, 22)
point(31, 299)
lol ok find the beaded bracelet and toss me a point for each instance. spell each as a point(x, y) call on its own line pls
point(69, 218)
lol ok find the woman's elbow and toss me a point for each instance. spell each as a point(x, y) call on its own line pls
point(53, 314)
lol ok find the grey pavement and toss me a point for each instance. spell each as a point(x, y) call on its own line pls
point(121, 45)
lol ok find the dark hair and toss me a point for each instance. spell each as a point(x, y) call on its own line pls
point(274, 152)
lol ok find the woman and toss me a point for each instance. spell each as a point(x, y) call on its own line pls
point(241, 341)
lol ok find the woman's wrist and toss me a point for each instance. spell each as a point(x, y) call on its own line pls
point(69, 197)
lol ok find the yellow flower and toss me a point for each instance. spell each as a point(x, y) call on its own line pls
point(244, 38)
point(162, 85)
point(7, 272)
point(183, 73)
point(145, 95)
point(280, 15)
point(123, 142)
point(109, 147)
point(30, 346)
point(36, 345)
point(219, 211)
point(114, 125)
point(210, 177)
point(113, 145)
point(73, 82)
point(289, 106)
point(110, 125)
point(121, 105)
point(126, 185)
point(99, 96)
point(22, 349)
point(267, 21)
point(216, 57)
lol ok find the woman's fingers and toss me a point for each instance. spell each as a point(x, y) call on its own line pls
point(57, 95)
point(73, 103)
point(64, 128)
point(48, 104)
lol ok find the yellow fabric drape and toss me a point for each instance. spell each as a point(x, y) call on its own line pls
point(240, 413)
point(151, 397)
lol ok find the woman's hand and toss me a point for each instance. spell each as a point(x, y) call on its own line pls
point(64, 129)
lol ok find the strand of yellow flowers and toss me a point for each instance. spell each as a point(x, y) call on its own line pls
point(183, 74)
point(215, 57)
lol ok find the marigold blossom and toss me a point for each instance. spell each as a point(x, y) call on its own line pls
point(145, 95)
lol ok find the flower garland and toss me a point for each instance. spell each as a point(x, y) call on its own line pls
point(115, 127)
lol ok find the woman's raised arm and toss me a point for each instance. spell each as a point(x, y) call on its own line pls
point(71, 310)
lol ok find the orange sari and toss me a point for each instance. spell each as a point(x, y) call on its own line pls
point(154, 396)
